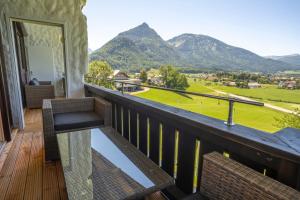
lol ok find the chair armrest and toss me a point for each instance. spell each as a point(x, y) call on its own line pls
point(47, 90)
point(45, 82)
point(72, 105)
point(226, 178)
point(104, 109)
point(48, 121)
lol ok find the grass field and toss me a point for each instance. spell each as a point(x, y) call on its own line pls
point(257, 117)
point(267, 92)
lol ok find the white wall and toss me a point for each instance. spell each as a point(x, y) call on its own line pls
point(46, 54)
point(66, 12)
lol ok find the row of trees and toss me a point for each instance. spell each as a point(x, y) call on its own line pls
point(172, 78)
point(100, 71)
point(245, 77)
point(98, 74)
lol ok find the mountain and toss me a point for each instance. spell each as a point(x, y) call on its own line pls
point(205, 51)
point(137, 47)
point(293, 59)
point(142, 47)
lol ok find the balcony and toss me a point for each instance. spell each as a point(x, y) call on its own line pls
point(171, 137)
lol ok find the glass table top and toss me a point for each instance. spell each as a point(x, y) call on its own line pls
point(101, 164)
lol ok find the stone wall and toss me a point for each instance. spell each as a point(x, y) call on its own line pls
point(66, 12)
point(49, 36)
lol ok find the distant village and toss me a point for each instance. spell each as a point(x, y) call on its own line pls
point(251, 80)
point(132, 82)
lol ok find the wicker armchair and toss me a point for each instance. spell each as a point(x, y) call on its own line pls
point(36, 93)
point(61, 115)
point(224, 178)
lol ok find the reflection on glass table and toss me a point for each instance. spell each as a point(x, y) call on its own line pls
point(101, 164)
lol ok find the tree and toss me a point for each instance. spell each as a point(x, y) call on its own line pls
point(289, 120)
point(242, 84)
point(143, 76)
point(98, 73)
point(172, 78)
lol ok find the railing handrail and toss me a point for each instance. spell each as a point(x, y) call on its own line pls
point(237, 133)
point(231, 100)
point(256, 103)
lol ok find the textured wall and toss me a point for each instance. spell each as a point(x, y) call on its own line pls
point(49, 36)
point(67, 12)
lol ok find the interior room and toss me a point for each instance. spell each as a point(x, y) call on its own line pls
point(41, 62)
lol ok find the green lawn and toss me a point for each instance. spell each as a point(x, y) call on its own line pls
point(257, 117)
point(289, 106)
point(267, 92)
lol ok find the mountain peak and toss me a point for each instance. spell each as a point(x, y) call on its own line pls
point(140, 32)
point(144, 25)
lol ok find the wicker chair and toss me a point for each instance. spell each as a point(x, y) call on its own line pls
point(36, 93)
point(62, 115)
point(224, 178)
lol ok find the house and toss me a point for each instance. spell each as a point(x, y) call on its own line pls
point(184, 146)
point(288, 84)
point(131, 85)
point(230, 83)
point(119, 75)
point(252, 85)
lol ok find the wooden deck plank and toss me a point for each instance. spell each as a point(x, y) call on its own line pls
point(18, 180)
point(50, 182)
point(5, 152)
point(23, 172)
point(61, 181)
point(34, 183)
point(9, 165)
point(4, 183)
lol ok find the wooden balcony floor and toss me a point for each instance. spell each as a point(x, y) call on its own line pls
point(23, 172)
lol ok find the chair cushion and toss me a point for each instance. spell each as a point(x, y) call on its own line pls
point(76, 120)
point(34, 82)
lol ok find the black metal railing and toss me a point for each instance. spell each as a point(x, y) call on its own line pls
point(231, 100)
point(177, 139)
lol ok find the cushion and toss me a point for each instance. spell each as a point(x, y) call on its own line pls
point(76, 120)
point(34, 82)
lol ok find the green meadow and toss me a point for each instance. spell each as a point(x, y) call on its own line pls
point(261, 118)
point(266, 92)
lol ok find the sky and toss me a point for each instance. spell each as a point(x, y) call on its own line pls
point(265, 27)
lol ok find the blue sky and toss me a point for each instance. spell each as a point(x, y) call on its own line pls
point(266, 27)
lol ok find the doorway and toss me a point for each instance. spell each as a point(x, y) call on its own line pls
point(40, 55)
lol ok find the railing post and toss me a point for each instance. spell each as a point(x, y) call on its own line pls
point(230, 114)
point(122, 88)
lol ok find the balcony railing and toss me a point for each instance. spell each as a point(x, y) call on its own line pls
point(177, 139)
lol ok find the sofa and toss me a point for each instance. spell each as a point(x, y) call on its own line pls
point(65, 115)
point(36, 93)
